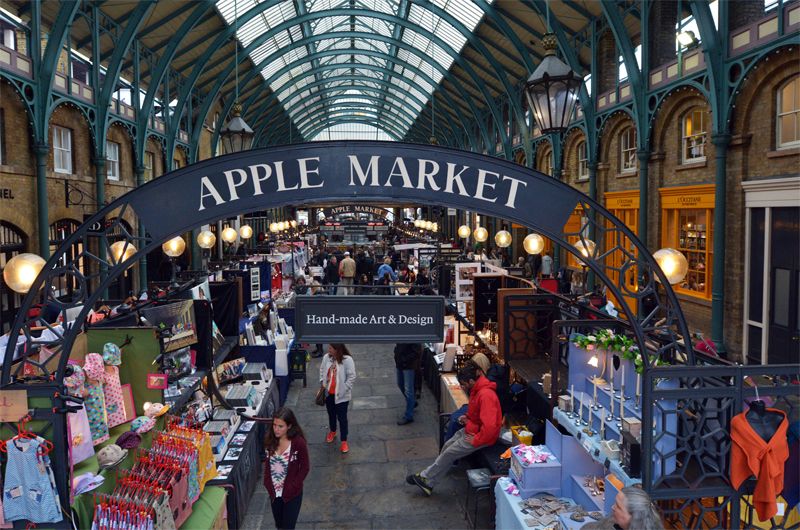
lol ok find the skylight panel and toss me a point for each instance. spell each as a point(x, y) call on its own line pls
point(326, 24)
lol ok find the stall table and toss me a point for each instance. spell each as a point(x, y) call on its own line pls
point(509, 515)
point(243, 478)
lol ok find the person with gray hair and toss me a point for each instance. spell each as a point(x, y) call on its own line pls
point(632, 510)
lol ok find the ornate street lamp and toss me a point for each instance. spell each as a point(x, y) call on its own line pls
point(552, 90)
point(236, 135)
point(121, 251)
point(174, 248)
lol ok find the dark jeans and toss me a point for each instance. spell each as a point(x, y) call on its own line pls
point(453, 426)
point(337, 411)
point(405, 381)
point(286, 512)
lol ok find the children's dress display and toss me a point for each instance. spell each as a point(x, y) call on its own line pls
point(79, 433)
point(95, 399)
point(29, 492)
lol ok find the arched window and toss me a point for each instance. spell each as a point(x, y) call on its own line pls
point(695, 136)
point(12, 242)
point(627, 151)
point(788, 119)
point(583, 162)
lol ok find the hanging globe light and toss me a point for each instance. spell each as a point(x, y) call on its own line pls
point(229, 235)
point(428, 225)
point(293, 223)
point(174, 247)
point(464, 231)
point(480, 234)
point(435, 227)
point(21, 271)
point(502, 238)
point(585, 248)
point(273, 227)
point(245, 231)
point(121, 251)
point(673, 264)
point(206, 239)
point(533, 244)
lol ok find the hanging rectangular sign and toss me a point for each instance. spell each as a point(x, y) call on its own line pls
point(352, 319)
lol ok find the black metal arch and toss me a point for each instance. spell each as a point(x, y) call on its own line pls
point(167, 208)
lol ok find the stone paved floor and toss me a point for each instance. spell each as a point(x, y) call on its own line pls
point(366, 488)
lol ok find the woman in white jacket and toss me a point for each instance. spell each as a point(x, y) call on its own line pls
point(337, 372)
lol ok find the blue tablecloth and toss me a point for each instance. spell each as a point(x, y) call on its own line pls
point(508, 514)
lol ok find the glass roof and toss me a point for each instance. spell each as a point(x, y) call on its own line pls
point(310, 63)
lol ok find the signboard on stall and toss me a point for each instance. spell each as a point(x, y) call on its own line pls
point(369, 319)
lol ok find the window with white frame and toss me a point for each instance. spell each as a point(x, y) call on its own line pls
point(583, 162)
point(789, 114)
point(112, 160)
point(149, 162)
point(62, 149)
point(695, 136)
point(627, 151)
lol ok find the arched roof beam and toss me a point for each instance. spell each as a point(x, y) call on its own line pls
point(310, 119)
point(444, 46)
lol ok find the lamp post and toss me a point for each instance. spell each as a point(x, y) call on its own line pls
point(206, 240)
point(21, 271)
point(174, 248)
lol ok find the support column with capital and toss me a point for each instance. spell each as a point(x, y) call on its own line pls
point(139, 170)
point(100, 199)
point(41, 152)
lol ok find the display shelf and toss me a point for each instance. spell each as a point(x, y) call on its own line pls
point(228, 345)
point(177, 404)
point(592, 446)
point(583, 495)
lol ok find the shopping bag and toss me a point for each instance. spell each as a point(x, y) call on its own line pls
point(319, 399)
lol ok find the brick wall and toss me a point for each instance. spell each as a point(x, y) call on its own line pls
point(609, 176)
point(607, 57)
point(17, 133)
point(663, 18)
point(744, 12)
point(571, 162)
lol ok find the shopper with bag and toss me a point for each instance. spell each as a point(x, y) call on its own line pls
point(337, 373)
point(286, 468)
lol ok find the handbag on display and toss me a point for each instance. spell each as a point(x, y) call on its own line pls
point(319, 399)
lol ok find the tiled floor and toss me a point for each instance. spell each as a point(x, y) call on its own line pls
point(366, 488)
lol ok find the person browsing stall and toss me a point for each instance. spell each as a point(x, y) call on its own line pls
point(482, 428)
point(632, 510)
point(286, 468)
point(337, 373)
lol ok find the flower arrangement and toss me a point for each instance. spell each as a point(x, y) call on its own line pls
point(607, 340)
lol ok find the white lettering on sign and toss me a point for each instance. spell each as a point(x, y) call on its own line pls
point(412, 173)
point(370, 319)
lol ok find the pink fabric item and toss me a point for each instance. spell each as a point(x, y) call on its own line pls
point(115, 404)
point(79, 434)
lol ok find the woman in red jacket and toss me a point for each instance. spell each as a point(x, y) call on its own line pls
point(286, 468)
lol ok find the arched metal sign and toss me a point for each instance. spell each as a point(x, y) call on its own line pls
point(350, 172)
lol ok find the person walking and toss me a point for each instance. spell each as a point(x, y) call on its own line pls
point(337, 373)
point(547, 266)
point(347, 273)
point(286, 468)
point(481, 428)
point(406, 361)
point(332, 274)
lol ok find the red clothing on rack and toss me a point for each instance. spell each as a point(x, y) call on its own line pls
point(751, 455)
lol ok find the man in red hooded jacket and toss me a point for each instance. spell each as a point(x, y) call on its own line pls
point(483, 421)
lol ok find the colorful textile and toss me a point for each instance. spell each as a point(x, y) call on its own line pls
point(752, 456)
point(29, 492)
point(278, 469)
point(95, 402)
point(79, 433)
point(115, 404)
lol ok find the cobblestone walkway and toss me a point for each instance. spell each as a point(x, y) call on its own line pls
point(366, 488)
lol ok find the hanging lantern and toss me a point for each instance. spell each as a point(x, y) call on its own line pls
point(293, 223)
point(174, 247)
point(229, 235)
point(206, 239)
point(121, 251)
point(673, 264)
point(21, 271)
point(236, 135)
point(428, 225)
point(245, 231)
point(435, 227)
point(464, 231)
point(480, 234)
point(533, 244)
point(502, 238)
point(552, 90)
